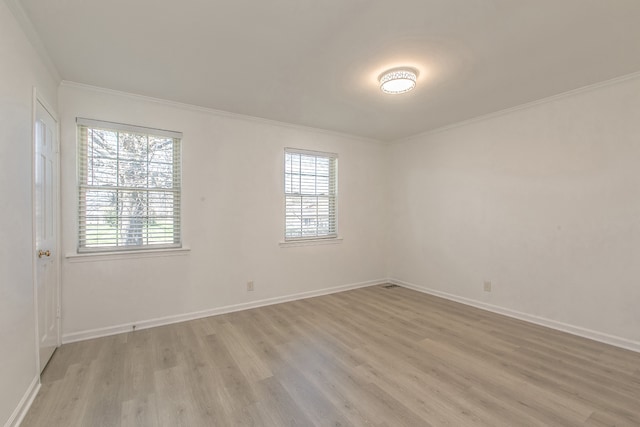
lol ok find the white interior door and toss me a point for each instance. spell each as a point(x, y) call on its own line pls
point(46, 241)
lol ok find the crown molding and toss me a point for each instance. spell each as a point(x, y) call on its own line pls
point(32, 35)
point(212, 111)
point(525, 106)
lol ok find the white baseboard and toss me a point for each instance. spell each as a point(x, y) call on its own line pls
point(150, 323)
point(25, 403)
point(553, 324)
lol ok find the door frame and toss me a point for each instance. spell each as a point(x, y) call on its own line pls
point(39, 99)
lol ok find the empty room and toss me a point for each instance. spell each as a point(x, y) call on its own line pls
point(320, 213)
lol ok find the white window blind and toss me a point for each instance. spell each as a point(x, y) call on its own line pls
point(310, 194)
point(129, 187)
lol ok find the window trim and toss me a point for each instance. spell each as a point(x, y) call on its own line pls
point(311, 240)
point(127, 254)
point(82, 153)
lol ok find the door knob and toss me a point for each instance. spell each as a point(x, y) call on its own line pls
point(42, 253)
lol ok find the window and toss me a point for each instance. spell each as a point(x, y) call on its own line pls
point(310, 190)
point(129, 187)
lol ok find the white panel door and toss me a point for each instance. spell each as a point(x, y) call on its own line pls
point(46, 178)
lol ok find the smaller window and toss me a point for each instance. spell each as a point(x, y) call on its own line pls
point(129, 187)
point(310, 192)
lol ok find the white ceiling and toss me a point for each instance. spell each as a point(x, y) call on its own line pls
point(316, 62)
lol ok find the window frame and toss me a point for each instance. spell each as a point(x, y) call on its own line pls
point(332, 197)
point(83, 188)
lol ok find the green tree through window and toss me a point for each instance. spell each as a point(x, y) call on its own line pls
point(129, 187)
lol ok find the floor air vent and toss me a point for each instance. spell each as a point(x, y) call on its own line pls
point(389, 286)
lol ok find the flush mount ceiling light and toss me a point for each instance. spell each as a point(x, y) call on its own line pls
point(398, 80)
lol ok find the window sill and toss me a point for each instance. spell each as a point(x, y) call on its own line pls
point(116, 255)
point(311, 242)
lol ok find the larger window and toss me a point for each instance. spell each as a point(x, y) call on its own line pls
point(310, 190)
point(129, 187)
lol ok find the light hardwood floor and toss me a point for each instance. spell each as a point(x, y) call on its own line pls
point(368, 357)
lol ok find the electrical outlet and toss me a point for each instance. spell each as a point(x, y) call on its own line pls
point(250, 286)
point(487, 286)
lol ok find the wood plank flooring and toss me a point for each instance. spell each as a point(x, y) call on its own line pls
point(367, 357)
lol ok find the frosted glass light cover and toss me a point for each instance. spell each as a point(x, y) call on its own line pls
point(398, 81)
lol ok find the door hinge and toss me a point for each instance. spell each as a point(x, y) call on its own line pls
point(58, 312)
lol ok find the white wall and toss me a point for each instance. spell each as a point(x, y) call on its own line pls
point(543, 201)
point(20, 70)
point(233, 217)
